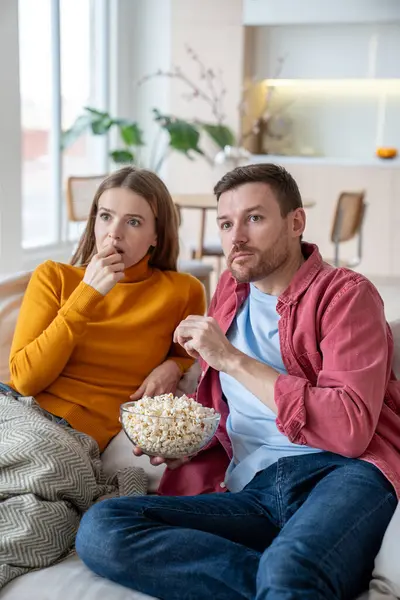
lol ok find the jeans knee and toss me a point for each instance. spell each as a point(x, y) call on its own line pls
point(289, 565)
point(96, 530)
point(102, 532)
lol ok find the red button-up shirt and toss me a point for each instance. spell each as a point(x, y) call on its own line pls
point(339, 393)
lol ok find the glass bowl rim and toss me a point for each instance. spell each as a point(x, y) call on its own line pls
point(123, 408)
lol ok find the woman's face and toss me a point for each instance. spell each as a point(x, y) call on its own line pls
point(125, 221)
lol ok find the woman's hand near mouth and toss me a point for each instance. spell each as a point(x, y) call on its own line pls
point(105, 270)
point(117, 249)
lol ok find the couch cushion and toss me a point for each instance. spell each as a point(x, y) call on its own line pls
point(386, 576)
point(12, 291)
point(68, 580)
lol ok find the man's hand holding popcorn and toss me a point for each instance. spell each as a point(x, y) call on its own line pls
point(202, 336)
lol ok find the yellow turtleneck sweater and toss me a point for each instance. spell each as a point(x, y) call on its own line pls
point(82, 354)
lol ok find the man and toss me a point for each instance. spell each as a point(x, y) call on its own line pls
point(296, 357)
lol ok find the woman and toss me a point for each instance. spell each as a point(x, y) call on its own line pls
point(91, 334)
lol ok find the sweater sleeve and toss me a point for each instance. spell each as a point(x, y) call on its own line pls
point(46, 332)
point(195, 305)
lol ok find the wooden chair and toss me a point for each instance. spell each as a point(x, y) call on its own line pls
point(204, 203)
point(12, 290)
point(202, 271)
point(347, 224)
point(79, 194)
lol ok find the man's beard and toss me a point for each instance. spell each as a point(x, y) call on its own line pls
point(262, 264)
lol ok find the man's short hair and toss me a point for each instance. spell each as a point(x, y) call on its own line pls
point(280, 181)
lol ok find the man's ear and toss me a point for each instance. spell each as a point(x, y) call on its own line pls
point(298, 222)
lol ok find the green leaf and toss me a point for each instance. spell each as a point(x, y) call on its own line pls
point(95, 112)
point(77, 129)
point(131, 134)
point(157, 115)
point(220, 134)
point(122, 156)
point(101, 126)
point(183, 136)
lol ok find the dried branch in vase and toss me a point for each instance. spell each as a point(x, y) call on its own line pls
point(212, 92)
point(260, 122)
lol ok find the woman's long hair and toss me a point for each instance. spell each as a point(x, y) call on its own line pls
point(148, 185)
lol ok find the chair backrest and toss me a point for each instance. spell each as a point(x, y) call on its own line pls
point(12, 291)
point(80, 194)
point(202, 202)
point(195, 201)
point(348, 218)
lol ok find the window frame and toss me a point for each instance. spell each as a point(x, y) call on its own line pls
point(100, 67)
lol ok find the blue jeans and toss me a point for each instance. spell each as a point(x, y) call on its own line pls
point(306, 528)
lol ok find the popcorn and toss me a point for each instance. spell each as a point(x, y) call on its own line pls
point(169, 426)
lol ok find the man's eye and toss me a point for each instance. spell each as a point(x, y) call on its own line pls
point(225, 225)
point(254, 218)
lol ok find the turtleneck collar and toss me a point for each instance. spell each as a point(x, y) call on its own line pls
point(138, 272)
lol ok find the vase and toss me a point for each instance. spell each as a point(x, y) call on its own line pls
point(232, 156)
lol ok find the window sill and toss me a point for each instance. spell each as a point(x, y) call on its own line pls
point(58, 252)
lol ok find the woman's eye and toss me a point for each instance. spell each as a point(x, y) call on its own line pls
point(225, 225)
point(104, 216)
point(134, 222)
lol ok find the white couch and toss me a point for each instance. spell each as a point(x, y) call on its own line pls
point(70, 579)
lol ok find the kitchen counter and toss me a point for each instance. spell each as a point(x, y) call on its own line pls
point(326, 160)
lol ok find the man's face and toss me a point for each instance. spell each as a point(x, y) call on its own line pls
point(256, 239)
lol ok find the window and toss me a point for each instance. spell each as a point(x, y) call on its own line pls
point(60, 68)
point(38, 220)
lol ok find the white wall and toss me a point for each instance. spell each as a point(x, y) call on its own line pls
point(143, 45)
point(10, 151)
point(214, 30)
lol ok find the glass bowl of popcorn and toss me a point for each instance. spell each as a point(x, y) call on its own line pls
point(169, 426)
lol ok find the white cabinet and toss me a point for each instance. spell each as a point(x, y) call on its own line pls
point(388, 51)
point(324, 182)
point(327, 51)
point(310, 52)
point(283, 12)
